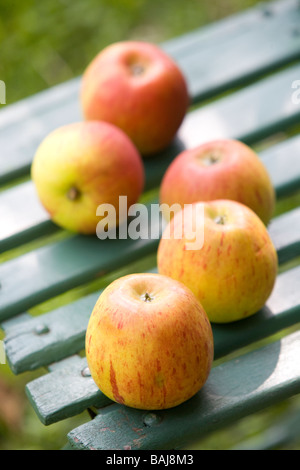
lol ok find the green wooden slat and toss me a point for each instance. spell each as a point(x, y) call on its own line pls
point(269, 108)
point(285, 233)
point(281, 311)
point(246, 43)
point(238, 48)
point(53, 269)
point(65, 327)
point(65, 333)
point(25, 218)
point(283, 164)
point(22, 217)
point(234, 390)
point(74, 394)
point(231, 26)
point(38, 275)
point(250, 114)
point(24, 124)
point(66, 391)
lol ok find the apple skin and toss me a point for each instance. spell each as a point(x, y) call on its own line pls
point(139, 88)
point(234, 272)
point(220, 169)
point(82, 165)
point(149, 354)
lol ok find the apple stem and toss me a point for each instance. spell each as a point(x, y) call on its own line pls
point(73, 193)
point(137, 69)
point(213, 158)
point(147, 297)
point(221, 219)
point(210, 159)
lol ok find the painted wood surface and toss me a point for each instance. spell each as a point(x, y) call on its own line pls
point(214, 59)
point(233, 389)
point(240, 50)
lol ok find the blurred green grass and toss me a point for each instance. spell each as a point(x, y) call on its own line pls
point(43, 44)
point(48, 42)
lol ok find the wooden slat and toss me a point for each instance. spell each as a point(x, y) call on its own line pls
point(269, 108)
point(63, 265)
point(67, 391)
point(241, 48)
point(65, 327)
point(230, 27)
point(282, 310)
point(23, 125)
point(285, 233)
point(283, 164)
point(234, 390)
point(64, 335)
point(250, 114)
point(25, 218)
point(53, 269)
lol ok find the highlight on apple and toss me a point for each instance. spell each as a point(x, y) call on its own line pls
point(151, 222)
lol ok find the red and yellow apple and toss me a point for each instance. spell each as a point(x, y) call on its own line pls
point(79, 166)
point(139, 88)
point(219, 169)
point(234, 272)
point(149, 343)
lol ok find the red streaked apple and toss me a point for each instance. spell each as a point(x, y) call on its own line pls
point(220, 169)
point(139, 88)
point(234, 272)
point(79, 166)
point(149, 343)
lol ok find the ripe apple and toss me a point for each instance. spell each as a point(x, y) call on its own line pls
point(220, 169)
point(139, 88)
point(149, 343)
point(82, 165)
point(233, 274)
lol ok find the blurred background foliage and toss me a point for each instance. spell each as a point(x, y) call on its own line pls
point(47, 42)
point(44, 43)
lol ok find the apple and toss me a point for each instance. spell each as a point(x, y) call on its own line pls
point(234, 272)
point(149, 343)
point(81, 165)
point(219, 169)
point(139, 88)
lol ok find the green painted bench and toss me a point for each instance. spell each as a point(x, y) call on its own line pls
point(240, 73)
